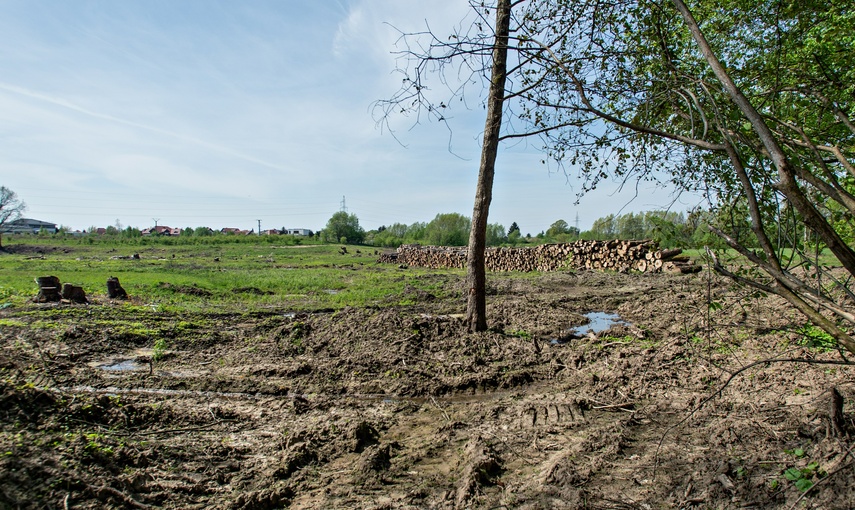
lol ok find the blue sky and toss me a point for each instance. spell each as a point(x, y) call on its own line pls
point(222, 113)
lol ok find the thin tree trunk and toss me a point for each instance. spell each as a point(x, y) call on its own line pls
point(476, 277)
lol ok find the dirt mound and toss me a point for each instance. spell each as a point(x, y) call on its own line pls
point(33, 249)
point(190, 290)
point(399, 407)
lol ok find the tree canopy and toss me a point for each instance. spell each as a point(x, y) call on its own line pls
point(343, 227)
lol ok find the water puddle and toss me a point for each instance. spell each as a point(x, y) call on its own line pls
point(127, 365)
point(131, 362)
point(370, 398)
point(112, 391)
point(597, 323)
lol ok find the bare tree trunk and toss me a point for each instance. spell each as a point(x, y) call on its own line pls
point(476, 277)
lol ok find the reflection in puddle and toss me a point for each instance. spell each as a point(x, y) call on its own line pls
point(154, 391)
point(597, 323)
point(363, 397)
point(121, 366)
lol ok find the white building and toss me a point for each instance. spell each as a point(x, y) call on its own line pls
point(28, 226)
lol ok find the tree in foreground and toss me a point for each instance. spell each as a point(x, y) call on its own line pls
point(752, 105)
point(11, 209)
point(484, 51)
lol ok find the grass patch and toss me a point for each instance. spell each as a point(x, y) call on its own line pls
point(250, 275)
point(815, 338)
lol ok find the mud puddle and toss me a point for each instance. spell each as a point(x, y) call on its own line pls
point(128, 365)
point(598, 322)
point(134, 361)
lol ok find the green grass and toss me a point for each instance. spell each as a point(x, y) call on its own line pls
point(241, 276)
point(826, 258)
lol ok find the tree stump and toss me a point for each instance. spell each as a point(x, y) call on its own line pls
point(73, 293)
point(835, 414)
point(48, 289)
point(114, 289)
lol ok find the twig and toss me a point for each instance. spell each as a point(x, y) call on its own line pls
point(169, 431)
point(603, 346)
point(65, 501)
point(122, 496)
point(613, 406)
point(447, 418)
point(718, 392)
point(827, 477)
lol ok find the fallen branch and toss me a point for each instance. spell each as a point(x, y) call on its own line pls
point(447, 418)
point(127, 500)
point(733, 375)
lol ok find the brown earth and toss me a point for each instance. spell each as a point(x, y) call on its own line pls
point(400, 408)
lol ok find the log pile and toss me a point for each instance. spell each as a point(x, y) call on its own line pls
point(616, 255)
point(434, 257)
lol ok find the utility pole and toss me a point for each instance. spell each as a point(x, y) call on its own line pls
point(259, 227)
point(577, 223)
point(343, 205)
point(155, 224)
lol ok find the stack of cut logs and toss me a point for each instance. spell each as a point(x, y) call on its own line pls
point(435, 257)
point(620, 256)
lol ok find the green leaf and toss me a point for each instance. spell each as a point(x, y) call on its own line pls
point(792, 474)
point(803, 484)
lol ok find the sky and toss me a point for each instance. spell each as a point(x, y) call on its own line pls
point(223, 113)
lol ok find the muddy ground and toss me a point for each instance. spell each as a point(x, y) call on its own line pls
point(400, 408)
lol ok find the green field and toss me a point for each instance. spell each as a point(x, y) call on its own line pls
point(225, 274)
point(246, 275)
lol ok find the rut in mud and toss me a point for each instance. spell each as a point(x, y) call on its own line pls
point(399, 408)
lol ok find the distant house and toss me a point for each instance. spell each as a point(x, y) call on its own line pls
point(29, 226)
point(236, 231)
point(161, 230)
point(271, 232)
point(299, 232)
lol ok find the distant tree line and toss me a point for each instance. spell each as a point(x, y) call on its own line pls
point(449, 229)
point(670, 229)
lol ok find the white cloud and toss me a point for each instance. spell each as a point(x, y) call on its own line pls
point(219, 112)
